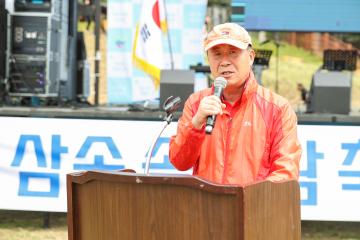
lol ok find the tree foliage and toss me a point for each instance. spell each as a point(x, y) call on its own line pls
point(353, 38)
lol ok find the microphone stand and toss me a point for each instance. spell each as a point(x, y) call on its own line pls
point(166, 122)
point(170, 105)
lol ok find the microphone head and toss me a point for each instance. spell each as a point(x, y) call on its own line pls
point(208, 129)
point(171, 104)
point(220, 82)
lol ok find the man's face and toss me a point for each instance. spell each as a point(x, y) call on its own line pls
point(230, 62)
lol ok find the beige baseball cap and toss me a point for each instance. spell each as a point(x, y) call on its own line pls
point(227, 33)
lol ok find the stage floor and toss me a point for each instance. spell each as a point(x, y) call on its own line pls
point(129, 113)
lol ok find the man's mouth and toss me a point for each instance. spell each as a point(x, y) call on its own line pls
point(226, 73)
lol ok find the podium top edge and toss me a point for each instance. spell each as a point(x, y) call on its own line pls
point(161, 179)
point(153, 179)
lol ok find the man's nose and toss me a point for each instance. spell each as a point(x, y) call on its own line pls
point(225, 62)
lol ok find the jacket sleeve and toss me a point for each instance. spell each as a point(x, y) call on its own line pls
point(285, 150)
point(185, 146)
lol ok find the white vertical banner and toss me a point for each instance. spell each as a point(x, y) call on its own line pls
point(138, 44)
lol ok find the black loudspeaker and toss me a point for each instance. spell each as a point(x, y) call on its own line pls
point(177, 83)
point(3, 36)
point(262, 57)
point(330, 92)
point(339, 60)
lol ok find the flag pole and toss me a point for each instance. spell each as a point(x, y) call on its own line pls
point(168, 37)
point(97, 50)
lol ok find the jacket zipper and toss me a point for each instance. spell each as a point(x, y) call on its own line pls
point(227, 146)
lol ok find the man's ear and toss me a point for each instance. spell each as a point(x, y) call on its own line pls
point(251, 56)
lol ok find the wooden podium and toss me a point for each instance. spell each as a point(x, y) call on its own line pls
point(120, 205)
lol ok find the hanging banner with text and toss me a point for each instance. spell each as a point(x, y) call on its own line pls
point(37, 153)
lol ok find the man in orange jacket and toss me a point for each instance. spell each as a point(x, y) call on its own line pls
point(255, 134)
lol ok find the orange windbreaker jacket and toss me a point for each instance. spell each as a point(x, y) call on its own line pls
point(254, 139)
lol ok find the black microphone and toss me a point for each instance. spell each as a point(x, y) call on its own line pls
point(219, 85)
point(171, 104)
